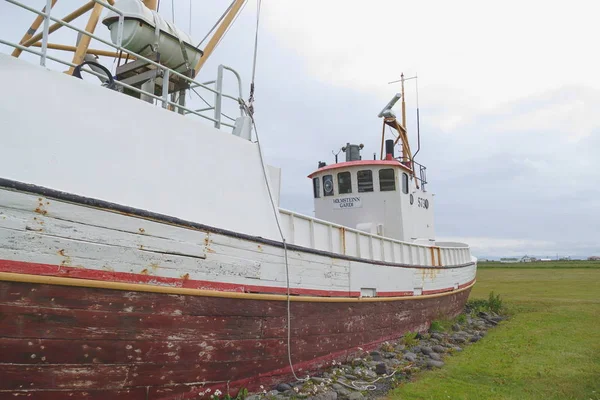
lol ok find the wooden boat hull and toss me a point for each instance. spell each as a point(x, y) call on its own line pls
point(91, 343)
point(101, 301)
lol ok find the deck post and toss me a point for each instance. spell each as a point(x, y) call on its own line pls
point(31, 31)
point(45, 33)
point(75, 14)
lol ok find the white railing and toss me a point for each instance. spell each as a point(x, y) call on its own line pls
point(317, 234)
point(166, 72)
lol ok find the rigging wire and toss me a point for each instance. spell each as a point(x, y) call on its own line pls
point(190, 22)
point(258, 6)
point(202, 98)
point(418, 122)
point(216, 24)
point(232, 23)
point(251, 97)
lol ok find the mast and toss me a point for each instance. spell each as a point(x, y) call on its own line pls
point(84, 43)
point(151, 4)
point(403, 104)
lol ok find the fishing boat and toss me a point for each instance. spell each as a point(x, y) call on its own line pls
point(143, 251)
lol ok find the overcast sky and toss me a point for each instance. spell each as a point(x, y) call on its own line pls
point(508, 92)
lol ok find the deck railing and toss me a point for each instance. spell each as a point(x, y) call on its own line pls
point(317, 234)
point(162, 100)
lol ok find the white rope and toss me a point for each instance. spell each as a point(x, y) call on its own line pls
point(361, 385)
point(364, 385)
point(285, 250)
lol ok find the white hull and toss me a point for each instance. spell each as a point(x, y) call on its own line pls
point(40, 229)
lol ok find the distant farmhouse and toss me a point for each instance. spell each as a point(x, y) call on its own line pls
point(526, 258)
point(594, 258)
point(509, 260)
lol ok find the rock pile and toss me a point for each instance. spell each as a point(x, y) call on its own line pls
point(374, 373)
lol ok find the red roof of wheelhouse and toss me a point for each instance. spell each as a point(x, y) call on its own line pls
point(394, 163)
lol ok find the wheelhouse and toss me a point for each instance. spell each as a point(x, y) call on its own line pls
point(383, 197)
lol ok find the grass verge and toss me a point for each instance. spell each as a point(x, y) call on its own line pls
point(541, 264)
point(549, 349)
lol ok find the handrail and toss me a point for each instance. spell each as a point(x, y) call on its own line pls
point(166, 72)
point(334, 225)
point(321, 235)
point(138, 90)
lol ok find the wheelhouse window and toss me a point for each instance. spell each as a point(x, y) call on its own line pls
point(344, 182)
point(387, 180)
point(316, 187)
point(365, 181)
point(328, 185)
point(405, 182)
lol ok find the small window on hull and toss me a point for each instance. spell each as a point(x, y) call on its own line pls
point(405, 183)
point(328, 185)
point(344, 183)
point(316, 188)
point(365, 181)
point(387, 180)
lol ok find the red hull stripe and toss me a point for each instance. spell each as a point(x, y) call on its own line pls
point(21, 267)
point(464, 285)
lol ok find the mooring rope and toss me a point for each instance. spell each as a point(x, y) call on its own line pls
point(285, 249)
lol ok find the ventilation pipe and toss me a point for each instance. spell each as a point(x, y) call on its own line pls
point(353, 151)
point(389, 149)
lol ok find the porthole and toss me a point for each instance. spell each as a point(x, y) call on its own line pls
point(328, 185)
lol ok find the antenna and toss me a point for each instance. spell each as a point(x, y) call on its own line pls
point(416, 78)
point(336, 154)
point(418, 121)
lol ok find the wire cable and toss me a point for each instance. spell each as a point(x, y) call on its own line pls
point(173, 11)
point(216, 24)
point(258, 6)
point(190, 23)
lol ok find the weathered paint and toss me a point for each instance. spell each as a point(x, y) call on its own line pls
point(95, 342)
point(108, 342)
point(90, 243)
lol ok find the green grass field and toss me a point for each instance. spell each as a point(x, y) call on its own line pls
point(541, 264)
point(548, 349)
